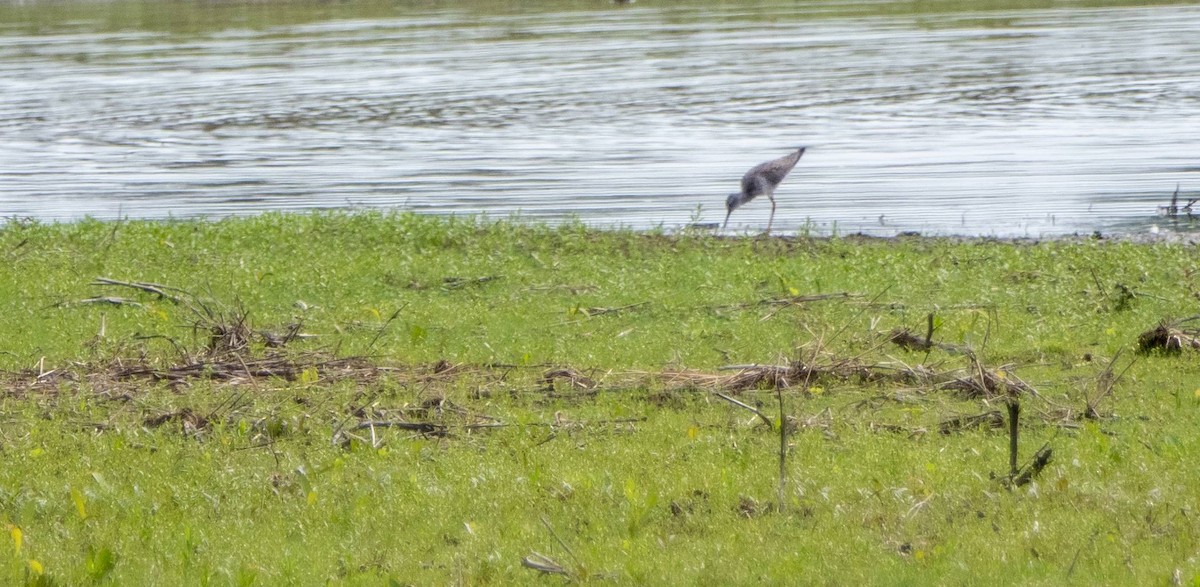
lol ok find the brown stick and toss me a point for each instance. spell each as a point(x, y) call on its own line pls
point(1040, 460)
point(422, 427)
point(1014, 414)
point(1105, 382)
point(746, 406)
point(563, 543)
point(783, 451)
point(591, 312)
point(154, 288)
point(110, 300)
point(543, 564)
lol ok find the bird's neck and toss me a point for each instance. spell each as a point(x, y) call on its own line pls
point(741, 199)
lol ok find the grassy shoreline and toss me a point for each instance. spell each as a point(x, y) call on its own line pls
point(474, 392)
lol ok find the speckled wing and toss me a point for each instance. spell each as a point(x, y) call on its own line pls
point(765, 177)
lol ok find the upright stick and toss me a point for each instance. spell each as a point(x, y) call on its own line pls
point(1014, 414)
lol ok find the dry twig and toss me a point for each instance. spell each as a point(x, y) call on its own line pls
point(162, 291)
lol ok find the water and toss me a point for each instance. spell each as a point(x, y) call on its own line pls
point(1006, 122)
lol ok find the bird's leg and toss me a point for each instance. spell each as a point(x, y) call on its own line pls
point(771, 219)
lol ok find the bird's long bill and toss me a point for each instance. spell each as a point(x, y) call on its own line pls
point(726, 225)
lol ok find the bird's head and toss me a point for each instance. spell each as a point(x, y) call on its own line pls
point(732, 203)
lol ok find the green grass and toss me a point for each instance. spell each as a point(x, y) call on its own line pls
point(199, 18)
point(106, 479)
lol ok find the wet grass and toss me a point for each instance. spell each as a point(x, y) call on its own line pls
point(198, 18)
point(476, 393)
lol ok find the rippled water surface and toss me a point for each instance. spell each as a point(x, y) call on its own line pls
point(1007, 122)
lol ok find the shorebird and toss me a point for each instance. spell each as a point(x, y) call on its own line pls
point(762, 179)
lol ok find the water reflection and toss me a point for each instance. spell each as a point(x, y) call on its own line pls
point(1009, 122)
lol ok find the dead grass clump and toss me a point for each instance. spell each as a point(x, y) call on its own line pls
point(667, 399)
point(237, 369)
point(988, 419)
point(759, 376)
point(749, 507)
point(908, 341)
point(228, 331)
point(755, 376)
point(191, 423)
point(1035, 466)
point(1169, 336)
point(983, 383)
point(800, 373)
point(570, 377)
point(696, 501)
